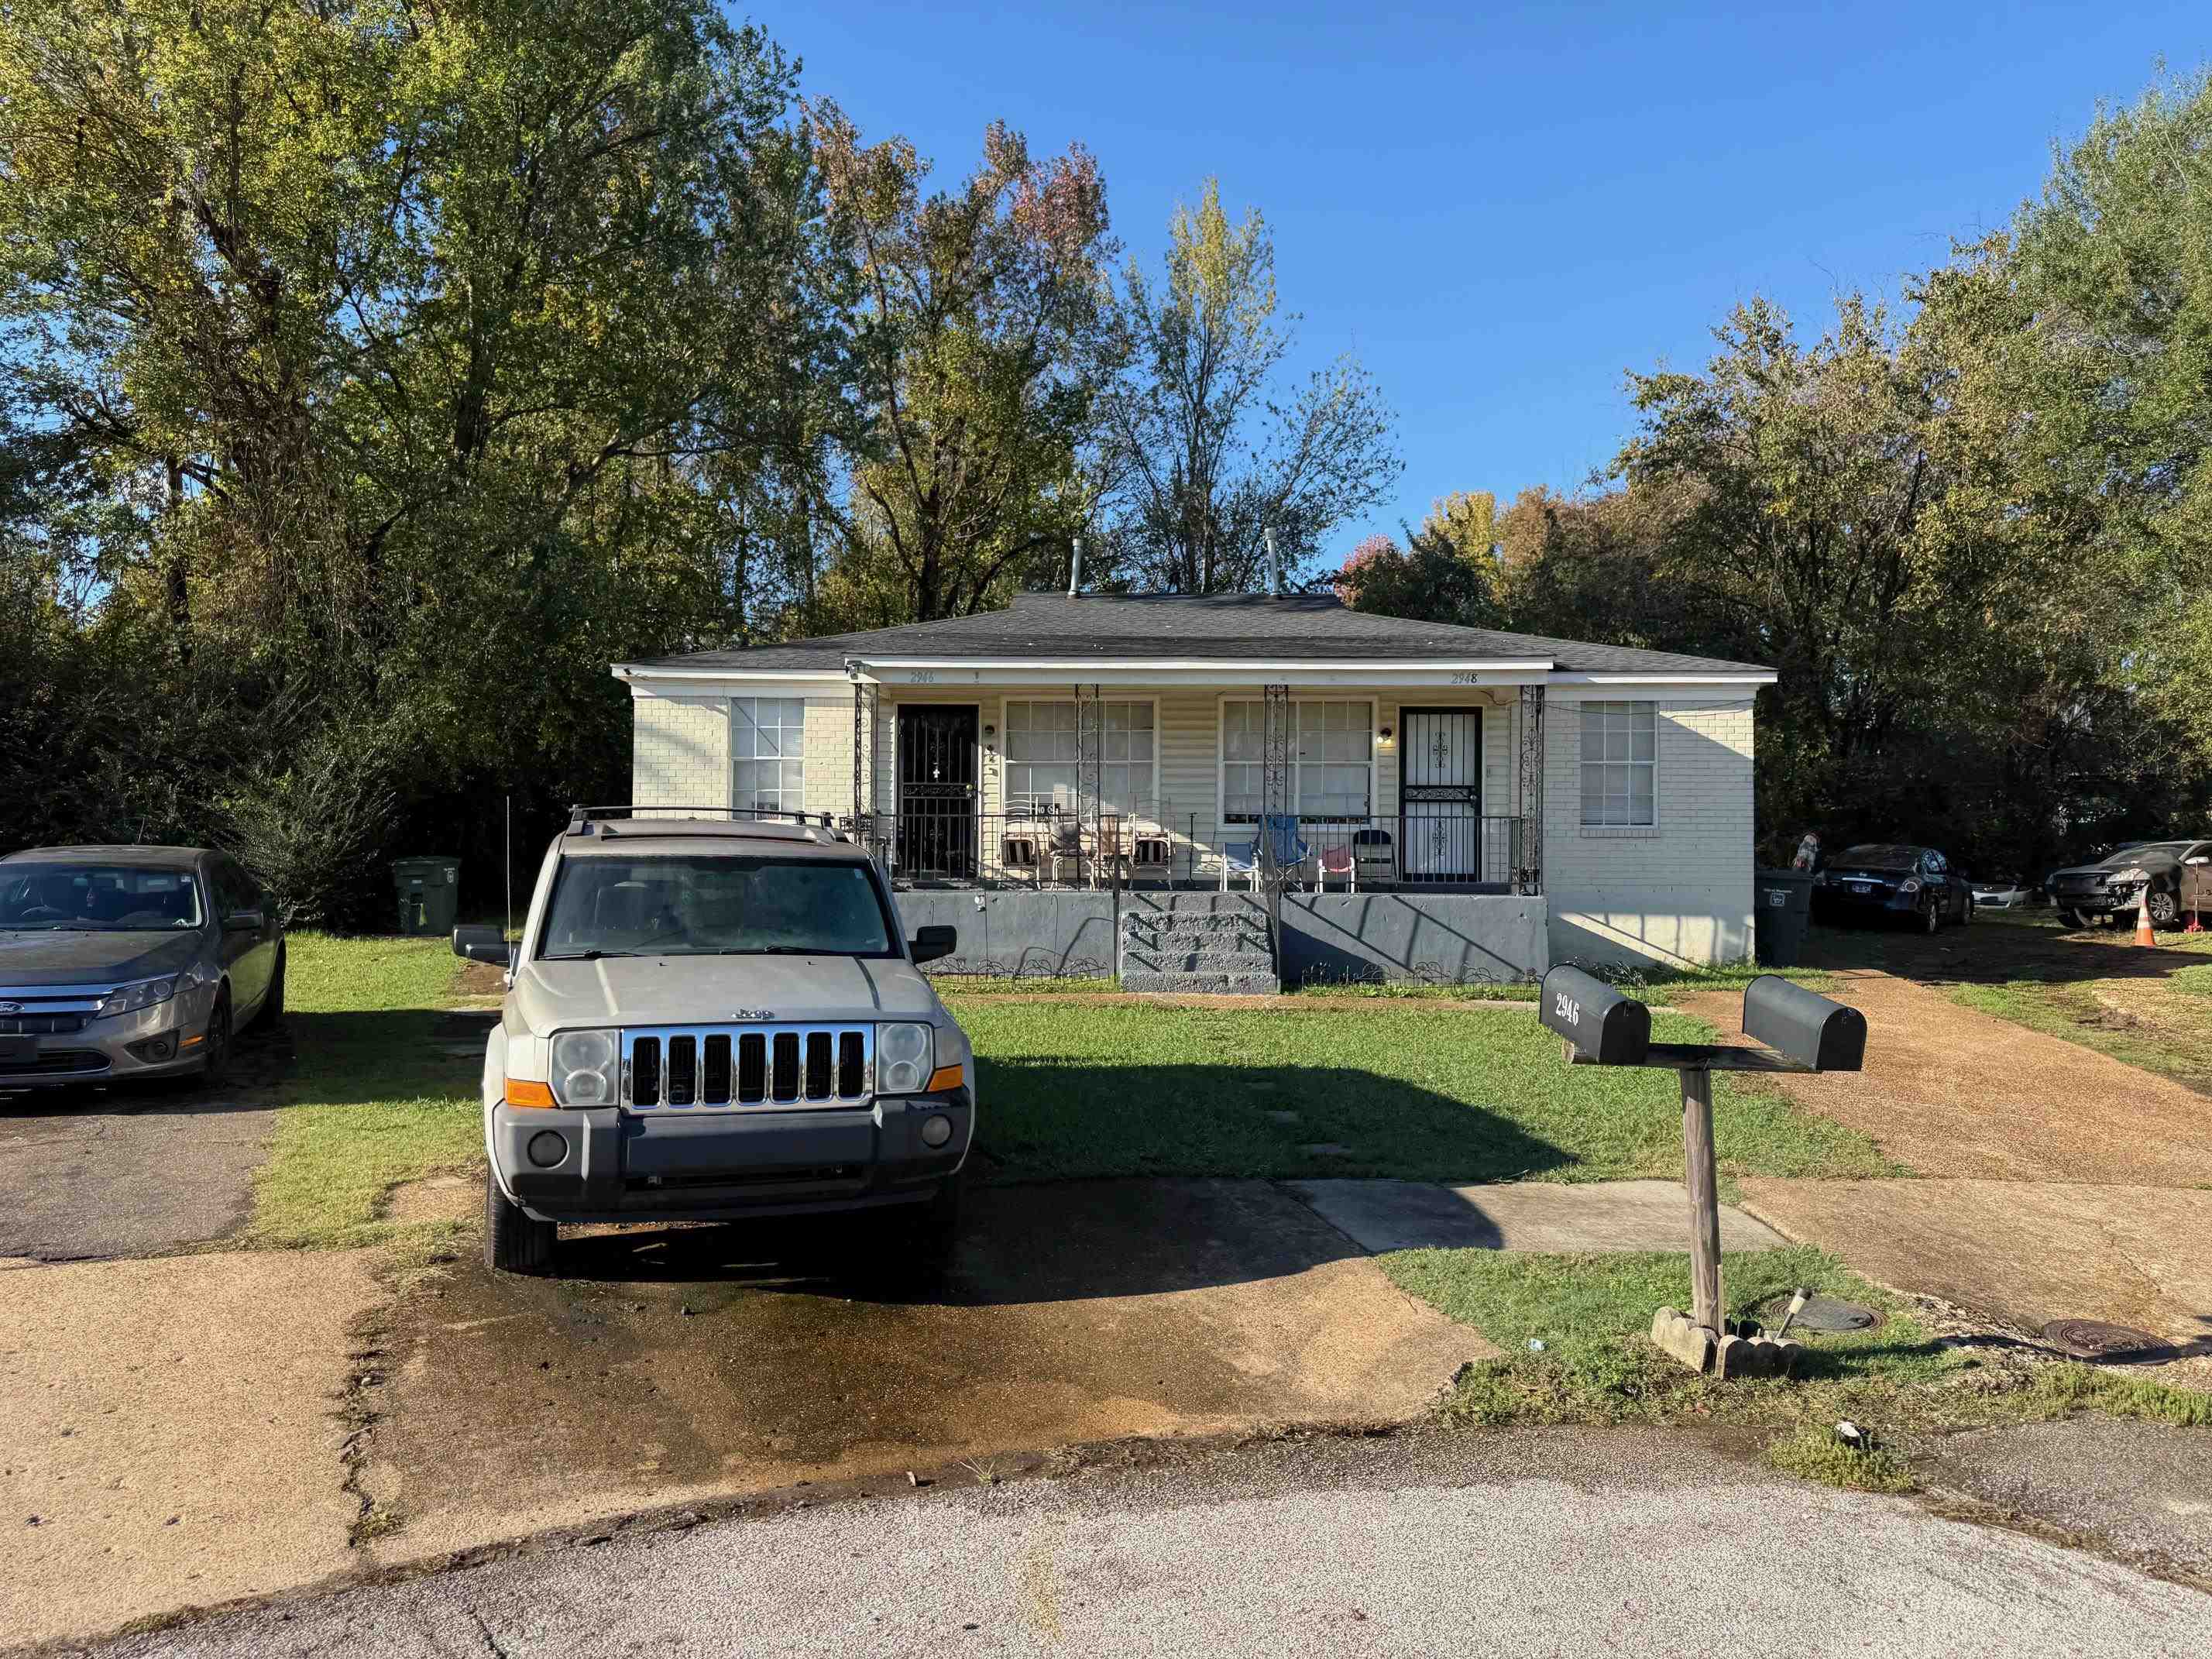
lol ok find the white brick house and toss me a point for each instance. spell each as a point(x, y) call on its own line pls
point(1072, 744)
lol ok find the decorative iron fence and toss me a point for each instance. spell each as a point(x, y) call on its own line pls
point(1426, 846)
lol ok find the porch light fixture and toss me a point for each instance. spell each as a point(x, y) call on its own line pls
point(1385, 735)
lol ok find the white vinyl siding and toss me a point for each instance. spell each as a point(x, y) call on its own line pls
point(1040, 756)
point(768, 743)
point(1619, 760)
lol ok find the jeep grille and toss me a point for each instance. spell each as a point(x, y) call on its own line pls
point(680, 1067)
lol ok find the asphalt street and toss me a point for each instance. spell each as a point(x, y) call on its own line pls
point(1536, 1542)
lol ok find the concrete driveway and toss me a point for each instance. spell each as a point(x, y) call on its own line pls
point(87, 1173)
point(667, 1366)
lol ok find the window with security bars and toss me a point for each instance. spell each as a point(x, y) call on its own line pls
point(1331, 761)
point(768, 739)
point(1041, 756)
point(1619, 760)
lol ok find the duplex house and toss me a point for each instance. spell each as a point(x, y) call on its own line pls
point(1086, 780)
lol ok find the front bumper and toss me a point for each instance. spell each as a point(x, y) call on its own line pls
point(2097, 902)
point(721, 1165)
point(138, 1047)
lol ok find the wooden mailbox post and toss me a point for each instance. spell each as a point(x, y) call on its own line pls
point(1802, 1032)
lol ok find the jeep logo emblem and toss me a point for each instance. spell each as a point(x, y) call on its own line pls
point(752, 1013)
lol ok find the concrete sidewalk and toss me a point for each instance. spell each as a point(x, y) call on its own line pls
point(1555, 1216)
point(174, 1434)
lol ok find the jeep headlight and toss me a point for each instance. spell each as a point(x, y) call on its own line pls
point(903, 1053)
point(584, 1068)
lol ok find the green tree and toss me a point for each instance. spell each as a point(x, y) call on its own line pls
point(1205, 449)
point(980, 338)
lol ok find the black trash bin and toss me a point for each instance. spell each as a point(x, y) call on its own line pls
point(1783, 912)
point(429, 890)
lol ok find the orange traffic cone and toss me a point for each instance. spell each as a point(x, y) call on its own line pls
point(2143, 934)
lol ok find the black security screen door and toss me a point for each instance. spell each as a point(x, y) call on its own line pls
point(937, 791)
point(1440, 792)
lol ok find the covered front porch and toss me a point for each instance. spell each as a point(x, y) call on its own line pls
point(1344, 786)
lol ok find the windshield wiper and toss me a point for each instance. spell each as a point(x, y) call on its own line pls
point(594, 956)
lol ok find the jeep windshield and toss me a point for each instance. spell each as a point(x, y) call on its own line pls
point(714, 904)
point(98, 899)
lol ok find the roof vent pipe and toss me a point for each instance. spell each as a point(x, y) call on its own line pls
point(1274, 569)
point(1075, 568)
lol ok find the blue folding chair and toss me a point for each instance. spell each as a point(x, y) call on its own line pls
point(1242, 858)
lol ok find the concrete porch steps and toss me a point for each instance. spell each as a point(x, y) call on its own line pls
point(1202, 943)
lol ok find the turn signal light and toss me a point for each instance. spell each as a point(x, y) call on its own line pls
point(522, 1092)
point(947, 1076)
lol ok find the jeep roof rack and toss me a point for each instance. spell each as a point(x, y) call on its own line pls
point(602, 820)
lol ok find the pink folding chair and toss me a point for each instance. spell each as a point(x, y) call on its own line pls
point(1339, 861)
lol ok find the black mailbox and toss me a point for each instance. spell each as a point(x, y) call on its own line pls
point(1604, 1026)
point(1802, 1026)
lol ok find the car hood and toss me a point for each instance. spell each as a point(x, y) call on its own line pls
point(2147, 860)
point(713, 990)
point(31, 956)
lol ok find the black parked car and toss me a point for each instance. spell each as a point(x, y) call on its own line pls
point(1884, 881)
point(2177, 873)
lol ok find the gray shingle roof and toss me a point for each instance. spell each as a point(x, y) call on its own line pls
point(1226, 627)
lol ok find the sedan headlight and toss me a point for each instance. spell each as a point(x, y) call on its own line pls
point(2128, 876)
point(584, 1068)
point(904, 1056)
point(140, 993)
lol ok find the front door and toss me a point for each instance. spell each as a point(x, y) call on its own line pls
point(937, 791)
point(1440, 793)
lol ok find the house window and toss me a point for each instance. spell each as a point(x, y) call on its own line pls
point(768, 738)
point(1041, 756)
point(1620, 747)
point(1332, 759)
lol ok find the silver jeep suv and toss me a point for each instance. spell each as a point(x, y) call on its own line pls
point(710, 1020)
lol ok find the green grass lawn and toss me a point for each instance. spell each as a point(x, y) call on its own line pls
point(1106, 1089)
point(372, 1098)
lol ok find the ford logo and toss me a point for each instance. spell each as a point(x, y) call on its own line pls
point(11, 1007)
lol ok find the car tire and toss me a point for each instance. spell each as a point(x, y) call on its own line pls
point(271, 1010)
point(516, 1241)
point(1967, 912)
point(215, 1045)
point(1931, 917)
point(2165, 908)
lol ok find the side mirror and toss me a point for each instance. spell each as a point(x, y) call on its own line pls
point(242, 921)
point(1602, 1026)
point(2199, 858)
point(1802, 1026)
point(481, 944)
point(930, 942)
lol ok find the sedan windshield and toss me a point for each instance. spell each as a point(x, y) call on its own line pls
point(713, 905)
point(2130, 854)
point(85, 898)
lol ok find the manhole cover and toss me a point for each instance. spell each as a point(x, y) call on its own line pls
point(2093, 1338)
point(1820, 1313)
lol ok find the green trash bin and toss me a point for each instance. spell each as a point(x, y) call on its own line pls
point(429, 894)
point(1783, 901)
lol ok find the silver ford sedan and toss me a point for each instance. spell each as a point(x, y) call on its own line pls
point(121, 963)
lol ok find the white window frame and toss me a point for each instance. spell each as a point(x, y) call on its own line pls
point(1147, 813)
point(735, 760)
point(1221, 755)
point(1583, 762)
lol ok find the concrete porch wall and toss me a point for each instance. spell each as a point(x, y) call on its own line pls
point(1450, 938)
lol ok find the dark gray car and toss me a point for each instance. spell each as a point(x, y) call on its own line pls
point(119, 963)
point(2171, 879)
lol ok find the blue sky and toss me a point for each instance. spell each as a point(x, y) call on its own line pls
point(1502, 210)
